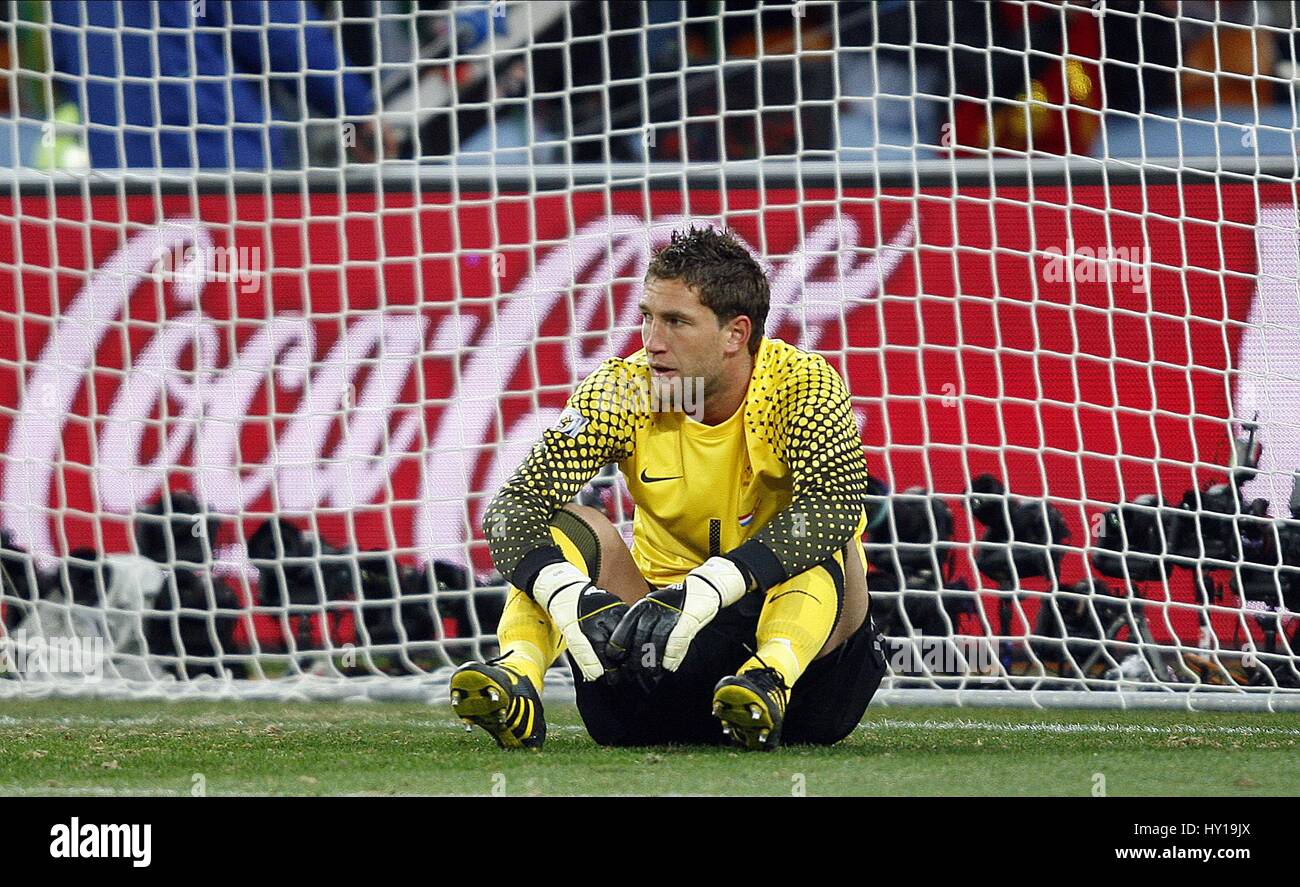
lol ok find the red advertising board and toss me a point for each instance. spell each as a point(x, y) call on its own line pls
point(378, 362)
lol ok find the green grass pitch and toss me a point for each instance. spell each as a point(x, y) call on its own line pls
point(71, 747)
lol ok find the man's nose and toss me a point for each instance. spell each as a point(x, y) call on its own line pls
point(653, 338)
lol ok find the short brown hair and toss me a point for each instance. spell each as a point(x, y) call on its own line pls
point(729, 280)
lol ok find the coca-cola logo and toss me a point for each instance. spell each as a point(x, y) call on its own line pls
point(201, 414)
point(384, 362)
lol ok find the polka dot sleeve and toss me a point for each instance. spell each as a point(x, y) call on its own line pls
point(597, 427)
point(811, 429)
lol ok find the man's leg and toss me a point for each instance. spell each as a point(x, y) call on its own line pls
point(834, 691)
point(856, 600)
point(804, 619)
point(504, 696)
point(810, 615)
point(529, 641)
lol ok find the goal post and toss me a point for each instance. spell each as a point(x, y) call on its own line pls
point(250, 421)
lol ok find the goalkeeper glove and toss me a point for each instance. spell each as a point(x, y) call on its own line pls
point(664, 622)
point(584, 614)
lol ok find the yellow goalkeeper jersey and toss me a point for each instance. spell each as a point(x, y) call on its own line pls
point(778, 487)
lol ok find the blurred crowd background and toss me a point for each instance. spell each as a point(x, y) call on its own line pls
point(242, 84)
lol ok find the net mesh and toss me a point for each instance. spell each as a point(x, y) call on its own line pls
point(288, 291)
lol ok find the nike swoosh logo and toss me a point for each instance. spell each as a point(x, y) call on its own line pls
point(647, 479)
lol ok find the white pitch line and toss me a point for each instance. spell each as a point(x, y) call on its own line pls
point(876, 724)
point(84, 790)
point(237, 722)
point(1069, 728)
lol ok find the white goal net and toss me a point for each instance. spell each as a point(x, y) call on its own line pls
point(287, 291)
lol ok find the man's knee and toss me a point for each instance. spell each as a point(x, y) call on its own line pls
point(855, 602)
point(609, 562)
point(606, 534)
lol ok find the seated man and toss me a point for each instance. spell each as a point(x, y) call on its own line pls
point(742, 607)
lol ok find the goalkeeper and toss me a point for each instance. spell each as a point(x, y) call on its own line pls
point(741, 608)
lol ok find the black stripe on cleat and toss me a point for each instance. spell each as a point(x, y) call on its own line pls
point(503, 703)
point(751, 707)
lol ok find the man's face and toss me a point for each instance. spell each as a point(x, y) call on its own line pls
point(682, 337)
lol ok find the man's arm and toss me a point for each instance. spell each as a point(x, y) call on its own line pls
point(597, 427)
point(814, 433)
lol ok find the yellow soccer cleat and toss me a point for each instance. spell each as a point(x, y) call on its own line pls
point(502, 702)
point(751, 707)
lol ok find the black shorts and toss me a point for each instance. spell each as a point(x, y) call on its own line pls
point(827, 702)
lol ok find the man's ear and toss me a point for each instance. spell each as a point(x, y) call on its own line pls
point(738, 330)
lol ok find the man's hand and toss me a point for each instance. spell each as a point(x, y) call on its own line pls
point(584, 614)
point(664, 622)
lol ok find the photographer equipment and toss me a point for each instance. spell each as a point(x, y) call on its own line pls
point(1022, 540)
point(468, 607)
point(192, 617)
point(909, 553)
point(1133, 544)
point(878, 502)
point(20, 583)
point(1218, 531)
point(116, 605)
point(405, 606)
point(395, 601)
point(111, 598)
point(175, 531)
point(398, 605)
point(297, 569)
point(1134, 540)
point(300, 574)
point(1074, 618)
point(910, 550)
point(1269, 586)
